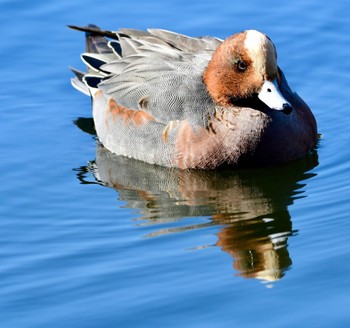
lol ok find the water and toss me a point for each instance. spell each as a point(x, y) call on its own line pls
point(91, 240)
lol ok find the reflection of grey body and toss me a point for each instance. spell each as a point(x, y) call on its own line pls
point(251, 205)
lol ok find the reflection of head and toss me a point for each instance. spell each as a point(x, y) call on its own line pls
point(250, 205)
point(258, 246)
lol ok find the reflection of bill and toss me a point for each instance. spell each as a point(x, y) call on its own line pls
point(250, 205)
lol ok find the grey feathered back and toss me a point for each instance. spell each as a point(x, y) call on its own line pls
point(161, 72)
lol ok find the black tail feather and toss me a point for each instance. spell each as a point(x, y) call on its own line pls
point(93, 30)
point(78, 74)
point(95, 39)
point(92, 81)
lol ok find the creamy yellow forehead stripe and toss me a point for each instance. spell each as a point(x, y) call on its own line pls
point(262, 51)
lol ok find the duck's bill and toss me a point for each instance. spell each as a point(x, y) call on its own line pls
point(271, 95)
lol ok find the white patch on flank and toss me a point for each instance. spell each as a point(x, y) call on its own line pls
point(261, 51)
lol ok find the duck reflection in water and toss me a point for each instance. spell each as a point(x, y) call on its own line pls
point(250, 206)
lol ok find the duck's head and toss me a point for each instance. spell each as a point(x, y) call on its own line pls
point(243, 71)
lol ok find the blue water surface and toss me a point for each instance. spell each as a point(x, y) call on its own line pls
point(88, 239)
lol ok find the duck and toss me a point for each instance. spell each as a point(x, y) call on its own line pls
point(193, 102)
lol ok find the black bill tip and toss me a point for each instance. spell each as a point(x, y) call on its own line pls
point(287, 108)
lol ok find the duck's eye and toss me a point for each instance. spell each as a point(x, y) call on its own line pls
point(241, 65)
